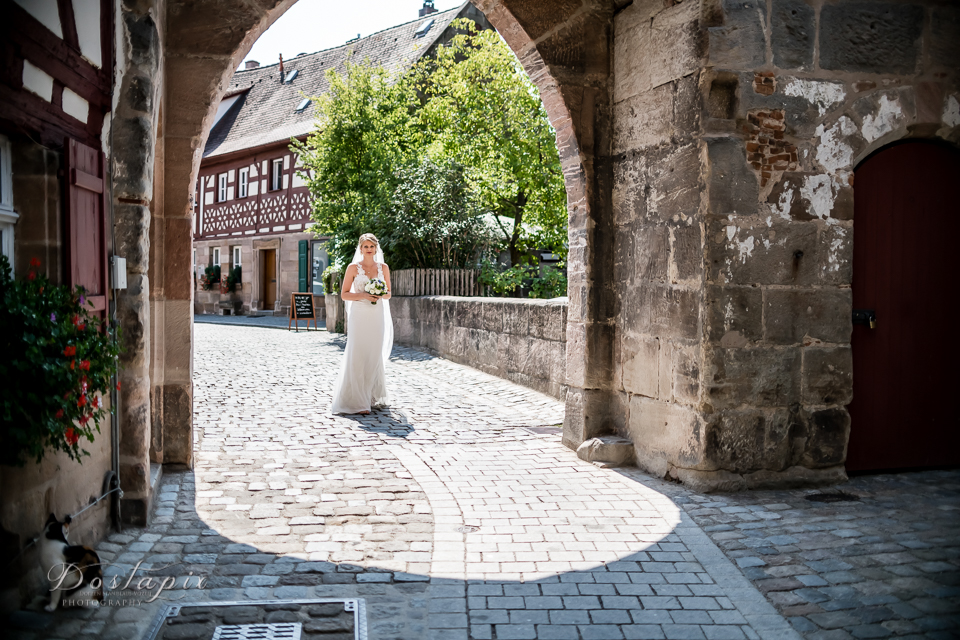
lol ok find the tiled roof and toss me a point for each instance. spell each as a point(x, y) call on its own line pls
point(266, 112)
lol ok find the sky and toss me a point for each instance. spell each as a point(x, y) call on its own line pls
point(313, 25)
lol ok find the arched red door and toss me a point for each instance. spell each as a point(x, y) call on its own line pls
point(906, 263)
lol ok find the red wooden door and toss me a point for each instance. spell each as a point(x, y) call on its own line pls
point(86, 227)
point(907, 224)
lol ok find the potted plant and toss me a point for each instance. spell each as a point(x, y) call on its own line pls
point(59, 363)
point(211, 277)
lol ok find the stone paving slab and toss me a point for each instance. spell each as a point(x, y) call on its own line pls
point(443, 513)
point(885, 564)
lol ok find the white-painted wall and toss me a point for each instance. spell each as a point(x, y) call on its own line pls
point(46, 12)
point(37, 81)
point(87, 15)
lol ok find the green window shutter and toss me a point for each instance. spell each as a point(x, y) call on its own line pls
point(303, 272)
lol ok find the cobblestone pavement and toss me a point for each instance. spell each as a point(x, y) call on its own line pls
point(454, 519)
point(886, 564)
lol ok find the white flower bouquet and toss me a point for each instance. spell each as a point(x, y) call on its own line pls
point(376, 287)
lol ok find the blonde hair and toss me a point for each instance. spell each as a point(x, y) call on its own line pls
point(368, 236)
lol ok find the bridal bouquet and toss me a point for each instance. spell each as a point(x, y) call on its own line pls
point(376, 287)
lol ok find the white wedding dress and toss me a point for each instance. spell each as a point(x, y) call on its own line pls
point(362, 381)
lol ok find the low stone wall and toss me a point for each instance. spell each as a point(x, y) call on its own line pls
point(521, 340)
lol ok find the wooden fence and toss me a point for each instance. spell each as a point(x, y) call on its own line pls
point(437, 282)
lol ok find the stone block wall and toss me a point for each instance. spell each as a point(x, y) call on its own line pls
point(734, 210)
point(521, 340)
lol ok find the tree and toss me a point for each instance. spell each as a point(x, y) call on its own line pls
point(365, 132)
point(481, 110)
point(438, 161)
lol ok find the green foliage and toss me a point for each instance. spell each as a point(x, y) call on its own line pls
point(552, 283)
point(482, 110)
point(211, 277)
point(451, 161)
point(233, 278)
point(57, 367)
point(508, 281)
point(331, 277)
point(434, 219)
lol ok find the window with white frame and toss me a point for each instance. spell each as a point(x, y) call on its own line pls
point(222, 187)
point(236, 256)
point(276, 174)
point(244, 180)
point(216, 256)
point(8, 218)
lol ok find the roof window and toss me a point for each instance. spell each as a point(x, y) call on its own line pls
point(290, 76)
point(303, 105)
point(423, 28)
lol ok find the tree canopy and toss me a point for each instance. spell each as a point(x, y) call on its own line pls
point(451, 160)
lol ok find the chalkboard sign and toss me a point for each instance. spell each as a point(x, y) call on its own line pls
point(301, 308)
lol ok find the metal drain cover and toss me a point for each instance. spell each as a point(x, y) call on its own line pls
point(261, 620)
point(275, 631)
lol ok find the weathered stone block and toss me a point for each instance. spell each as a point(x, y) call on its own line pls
point(827, 434)
point(795, 317)
point(710, 481)
point(641, 254)
point(740, 43)
point(674, 182)
point(836, 258)
point(944, 43)
point(747, 440)
point(793, 33)
point(650, 53)
point(515, 354)
point(661, 311)
point(885, 112)
point(664, 434)
point(827, 376)
point(643, 120)
point(516, 319)
point(751, 252)
point(640, 363)
point(539, 358)
point(609, 451)
point(735, 316)
point(493, 317)
point(794, 477)
point(629, 192)
point(761, 377)
point(871, 37)
point(733, 185)
point(686, 255)
point(178, 424)
point(686, 372)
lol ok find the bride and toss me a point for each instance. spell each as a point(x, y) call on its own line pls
point(362, 380)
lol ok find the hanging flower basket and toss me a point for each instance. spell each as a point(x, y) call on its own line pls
point(57, 367)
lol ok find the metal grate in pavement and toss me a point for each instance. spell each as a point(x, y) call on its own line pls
point(273, 631)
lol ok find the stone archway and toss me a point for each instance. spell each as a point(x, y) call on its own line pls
point(178, 60)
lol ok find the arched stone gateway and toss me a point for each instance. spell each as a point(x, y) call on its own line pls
point(707, 148)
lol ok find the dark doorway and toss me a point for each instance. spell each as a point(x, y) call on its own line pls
point(269, 261)
point(907, 225)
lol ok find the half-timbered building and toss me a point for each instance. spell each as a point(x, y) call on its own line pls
point(252, 207)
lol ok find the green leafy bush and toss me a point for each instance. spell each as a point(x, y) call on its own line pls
point(552, 283)
point(57, 366)
point(508, 281)
point(211, 277)
point(233, 278)
point(331, 278)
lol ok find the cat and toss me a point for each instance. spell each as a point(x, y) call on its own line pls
point(73, 570)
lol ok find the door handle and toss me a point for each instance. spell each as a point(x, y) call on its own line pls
point(867, 317)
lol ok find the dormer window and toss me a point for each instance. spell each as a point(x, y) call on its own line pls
point(423, 28)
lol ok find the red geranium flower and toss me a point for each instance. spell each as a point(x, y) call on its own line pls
point(59, 414)
point(75, 320)
point(72, 436)
point(84, 419)
point(31, 276)
point(85, 365)
point(73, 363)
point(96, 402)
point(70, 351)
point(82, 401)
point(118, 385)
point(81, 327)
point(34, 262)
